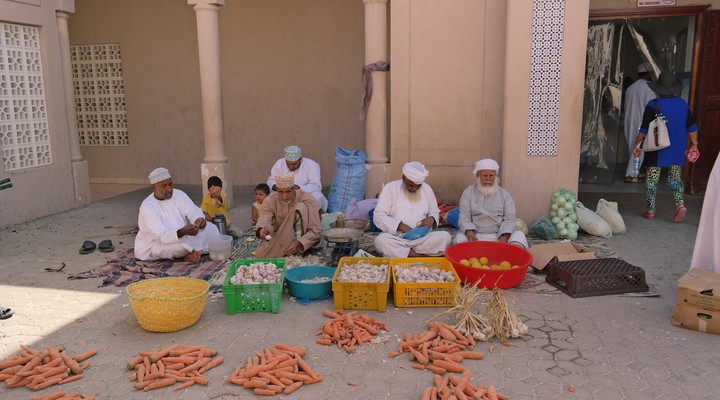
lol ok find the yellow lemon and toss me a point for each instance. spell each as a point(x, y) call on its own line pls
point(515, 266)
point(505, 264)
point(465, 262)
point(473, 260)
point(475, 264)
point(484, 266)
point(494, 266)
point(483, 260)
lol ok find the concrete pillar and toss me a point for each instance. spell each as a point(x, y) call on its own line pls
point(79, 166)
point(376, 135)
point(215, 162)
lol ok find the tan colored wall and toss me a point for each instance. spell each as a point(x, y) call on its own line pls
point(45, 190)
point(532, 180)
point(447, 79)
point(290, 75)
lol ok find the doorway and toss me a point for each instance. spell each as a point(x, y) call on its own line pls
point(615, 49)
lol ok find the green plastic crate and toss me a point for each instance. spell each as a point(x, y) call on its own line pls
point(253, 297)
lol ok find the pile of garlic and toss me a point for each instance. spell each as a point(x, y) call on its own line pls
point(258, 272)
point(317, 279)
point(421, 274)
point(363, 272)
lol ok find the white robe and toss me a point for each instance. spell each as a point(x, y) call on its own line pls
point(307, 177)
point(491, 217)
point(394, 207)
point(706, 254)
point(158, 223)
point(637, 96)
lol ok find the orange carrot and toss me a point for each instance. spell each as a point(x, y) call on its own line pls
point(449, 365)
point(435, 369)
point(212, 364)
point(196, 365)
point(291, 388)
point(46, 384)
point(305, 367)
point(294, 349)
point(426, 394)
point(264, 392)
point(158, 354)
point(180, 359)
point(491, 393)
point(185, 385)
point(160, 383)
point(15, 361)
point(70, 379)
point(324, 342)
point(255, 383)
point(84, 356)
point(200, 379)
point(472, 355)
point(134, 362)
point(293, 376)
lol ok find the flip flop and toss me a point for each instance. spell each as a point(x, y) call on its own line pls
point(6, 313)
point(679, 215)
point(106, 246)
point(87, 247)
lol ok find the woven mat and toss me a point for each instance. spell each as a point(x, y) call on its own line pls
point(123, 268)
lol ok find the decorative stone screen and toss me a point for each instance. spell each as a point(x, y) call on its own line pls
point(24, 135)
point(545, 71)
point(99, 94)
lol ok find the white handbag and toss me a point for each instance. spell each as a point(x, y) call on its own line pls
point(657, 137)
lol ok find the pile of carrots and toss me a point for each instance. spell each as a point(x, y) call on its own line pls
point(439, 349)
point(348, 329)
point(459, 387)
point(275, 370)
point(64, 396)
point(39, 370)
point(164, 367)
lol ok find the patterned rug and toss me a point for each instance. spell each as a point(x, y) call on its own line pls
point(123, 268)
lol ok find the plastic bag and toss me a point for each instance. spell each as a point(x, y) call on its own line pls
point(416, 233)
point(453, 217)
point(349, 180)
point(609, 212)
point(592, 223)
point(521, 226)
point(562, 214)
point(360, 209)
point(543, 229)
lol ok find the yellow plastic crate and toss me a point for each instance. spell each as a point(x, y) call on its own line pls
point(424, 294)
point(362, 295)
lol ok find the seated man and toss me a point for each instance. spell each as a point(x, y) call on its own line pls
point(170, 224)
point(487, 211)
point(306, 172)
point(289, 223)
point(406, 204)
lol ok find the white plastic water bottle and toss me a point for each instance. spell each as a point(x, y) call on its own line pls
point(636, 166)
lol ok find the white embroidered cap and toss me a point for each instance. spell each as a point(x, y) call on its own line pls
point(159, 174)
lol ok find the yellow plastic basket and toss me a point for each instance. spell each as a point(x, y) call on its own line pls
point(424, 294)
point(361, 295)
point(168, 304)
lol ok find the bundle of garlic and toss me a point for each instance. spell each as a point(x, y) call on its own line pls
point(257, 272)
point(363, 272)
point(469, 322)
point(504, 322)
point(416, 274)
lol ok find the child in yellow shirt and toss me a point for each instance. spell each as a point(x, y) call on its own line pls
point(262, 190)
point(215, 202)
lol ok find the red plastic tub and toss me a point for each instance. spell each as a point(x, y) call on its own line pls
point(496, 253)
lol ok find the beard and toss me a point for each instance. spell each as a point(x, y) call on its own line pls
point(413, 197)
point(488, 191)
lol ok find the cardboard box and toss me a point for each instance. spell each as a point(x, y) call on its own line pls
point(544, 254)
point(700, 288)
point(697, 319)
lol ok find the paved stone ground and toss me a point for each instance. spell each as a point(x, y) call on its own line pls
point(608, 347)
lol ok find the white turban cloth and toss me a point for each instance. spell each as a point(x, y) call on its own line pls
point(415, 171)
point(487, 163)
point(285, 180)
point(159, 174)
point(293, 153)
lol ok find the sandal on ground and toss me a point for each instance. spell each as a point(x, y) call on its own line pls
point(6, 313)
point(680, 212)
point(106, 246)
point(630, 179)
point(87, 247)
point(649, 215)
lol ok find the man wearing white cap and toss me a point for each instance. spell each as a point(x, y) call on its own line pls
point(637, 96)
point(170, 224)
point(289, 223)
point(487, 211)
point(406, 204)
point(306, 172)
